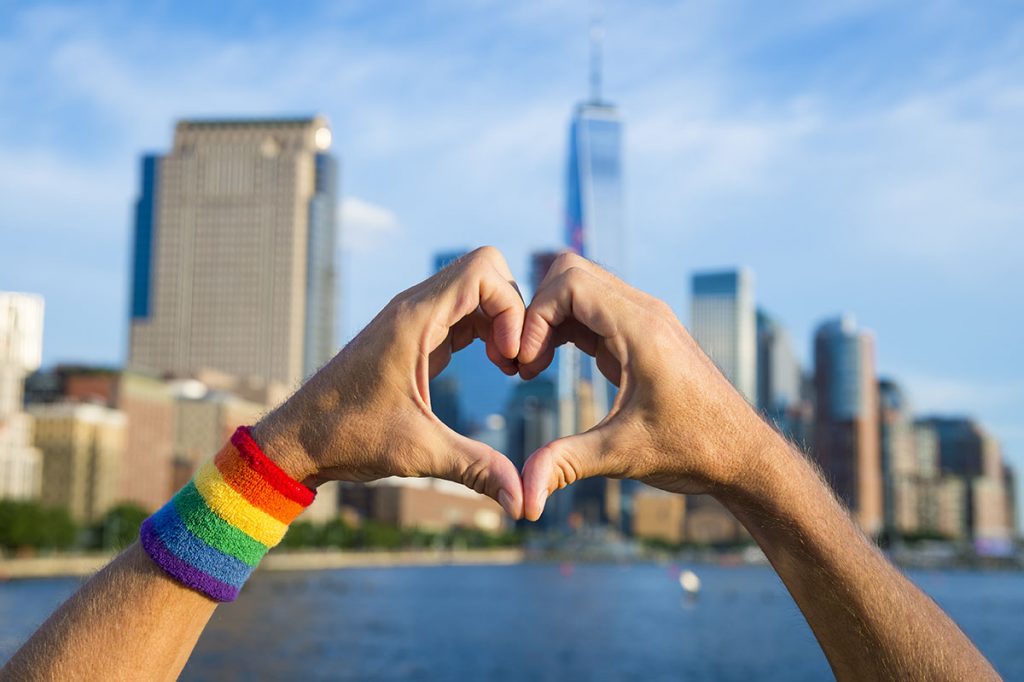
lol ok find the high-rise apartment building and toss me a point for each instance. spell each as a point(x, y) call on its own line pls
point(21, 348)
point(233, 262)
point(724, 322)
point(846, 432)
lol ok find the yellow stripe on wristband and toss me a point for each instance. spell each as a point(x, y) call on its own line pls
point(231, 506)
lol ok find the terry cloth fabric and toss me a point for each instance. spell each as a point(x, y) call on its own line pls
point(213, 533)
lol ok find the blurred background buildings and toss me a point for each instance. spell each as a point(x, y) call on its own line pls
point(233, 301)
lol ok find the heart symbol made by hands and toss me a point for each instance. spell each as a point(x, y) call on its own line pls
point(367, 414)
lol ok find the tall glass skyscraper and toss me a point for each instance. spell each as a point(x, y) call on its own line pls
point(594, 221)
point(594, 228)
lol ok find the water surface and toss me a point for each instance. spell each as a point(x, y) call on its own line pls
point(534, 621)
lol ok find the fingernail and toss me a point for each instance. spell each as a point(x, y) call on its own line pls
point(542, 499)
point(505, 500)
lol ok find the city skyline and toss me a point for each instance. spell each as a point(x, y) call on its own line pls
point(775, 166)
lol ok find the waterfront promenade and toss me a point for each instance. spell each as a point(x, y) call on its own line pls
point(80, 565)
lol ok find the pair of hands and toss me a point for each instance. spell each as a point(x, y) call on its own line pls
point(676, 422)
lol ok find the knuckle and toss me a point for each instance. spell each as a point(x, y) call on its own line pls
point(660, 307)
point(484, 254)
point(567, 471)
point(574, 277)
point(403, 308)
point(473, 475)
point(567, 260)
point(660, 335)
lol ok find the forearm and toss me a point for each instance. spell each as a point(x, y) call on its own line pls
point(141, 616)
point(870, 620)
point(130, 621)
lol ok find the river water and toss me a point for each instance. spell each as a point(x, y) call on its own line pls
point(532, 621)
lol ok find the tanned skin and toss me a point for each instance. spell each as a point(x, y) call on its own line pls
point(676, 424)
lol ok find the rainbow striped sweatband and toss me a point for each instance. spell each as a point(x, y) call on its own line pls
point(211, 535)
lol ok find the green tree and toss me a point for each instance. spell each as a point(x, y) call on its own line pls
point(119, 527)
point(29, 524)
point(300, 534)
point(382, 535)
point(337, 533)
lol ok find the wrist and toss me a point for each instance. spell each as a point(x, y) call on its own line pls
point(770, 473)
point(214, 531)
point(280, 440)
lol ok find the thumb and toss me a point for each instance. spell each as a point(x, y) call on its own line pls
point(483, 469)
point(561, 463)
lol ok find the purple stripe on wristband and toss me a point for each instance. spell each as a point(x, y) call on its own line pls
point(185, 573)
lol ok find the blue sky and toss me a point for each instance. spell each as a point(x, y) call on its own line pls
point(861, 156)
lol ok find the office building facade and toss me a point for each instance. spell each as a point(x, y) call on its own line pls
point(233, 259)
point(969, 453)
point(723, 322)
point(21, 348)
point(83, 445)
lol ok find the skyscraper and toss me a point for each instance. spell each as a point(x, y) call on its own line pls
point(233, 261)
point(723, 321)
point(846, 433)
point(594, 228)
point(594, 216)
point(594, 221)
point(21, 348)
point(779, 376)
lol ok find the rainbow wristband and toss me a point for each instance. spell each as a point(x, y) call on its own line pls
point(211, 535)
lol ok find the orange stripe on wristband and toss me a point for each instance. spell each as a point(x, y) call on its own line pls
point(231, 506)
point(237, 473)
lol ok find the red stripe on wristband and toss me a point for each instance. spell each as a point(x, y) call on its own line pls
point(273, 474)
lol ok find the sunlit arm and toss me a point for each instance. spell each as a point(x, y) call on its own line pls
point(129, 622)
point(871, 621)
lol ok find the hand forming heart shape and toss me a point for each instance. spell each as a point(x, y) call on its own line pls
point(366, 414)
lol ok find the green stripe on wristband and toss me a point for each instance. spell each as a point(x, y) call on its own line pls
point(213, 530)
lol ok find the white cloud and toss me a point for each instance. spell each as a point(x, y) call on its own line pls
point(366, 226)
